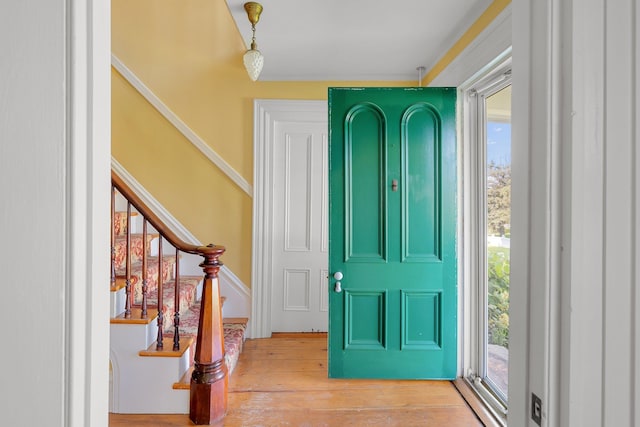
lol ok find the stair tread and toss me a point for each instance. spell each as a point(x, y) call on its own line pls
point(136, 248)
point(185, 382)
point(121, 282)
point(136, 317)
point(189, 320)
point(235, 320)
point(168, 263)
point(167, 350)
point(151, 259)
point(188, 288)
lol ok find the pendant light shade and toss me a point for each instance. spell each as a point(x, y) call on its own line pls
point(253, 62)
point(253, 59)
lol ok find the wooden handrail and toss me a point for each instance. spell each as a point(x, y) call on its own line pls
point(209, 381)
point(153, 219)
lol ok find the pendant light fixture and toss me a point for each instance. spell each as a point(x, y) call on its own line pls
point(253, 59)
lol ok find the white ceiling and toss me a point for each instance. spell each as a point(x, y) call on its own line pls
point(355, 39)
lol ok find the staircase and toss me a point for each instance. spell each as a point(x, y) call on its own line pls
point(159, 364)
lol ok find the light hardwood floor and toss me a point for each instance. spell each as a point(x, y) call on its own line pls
point(283, 382)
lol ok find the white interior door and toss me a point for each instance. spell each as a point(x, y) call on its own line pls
point(299, 298)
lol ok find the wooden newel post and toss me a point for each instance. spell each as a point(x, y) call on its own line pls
point(208, 398)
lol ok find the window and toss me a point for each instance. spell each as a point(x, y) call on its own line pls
point(486, 132)
point(498, 218)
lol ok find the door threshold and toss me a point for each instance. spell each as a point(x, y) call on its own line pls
point(478, 405)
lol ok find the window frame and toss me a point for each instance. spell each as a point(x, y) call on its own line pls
point(473, 223)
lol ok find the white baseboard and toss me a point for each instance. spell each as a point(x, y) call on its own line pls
point(237, 294)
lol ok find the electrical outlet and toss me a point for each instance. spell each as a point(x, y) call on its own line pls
point(536, 409)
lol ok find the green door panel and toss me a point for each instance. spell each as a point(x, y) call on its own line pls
point(392, 233)
point(420, 169)
point(365, 237)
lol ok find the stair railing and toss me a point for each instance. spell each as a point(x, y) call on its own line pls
point(209, 381)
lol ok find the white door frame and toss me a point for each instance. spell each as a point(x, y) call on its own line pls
point(88, 138)
point(266, 113)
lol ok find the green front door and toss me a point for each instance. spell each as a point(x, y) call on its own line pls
point(392, 233)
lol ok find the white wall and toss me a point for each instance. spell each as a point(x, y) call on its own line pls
point(575, 102)
point(54, 154)
point(32, 160)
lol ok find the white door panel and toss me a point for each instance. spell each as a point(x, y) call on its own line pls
point(299, 227)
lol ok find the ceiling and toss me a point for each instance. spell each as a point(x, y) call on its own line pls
point(360, 40)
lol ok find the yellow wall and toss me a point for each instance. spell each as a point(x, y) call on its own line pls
point(189, 53)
